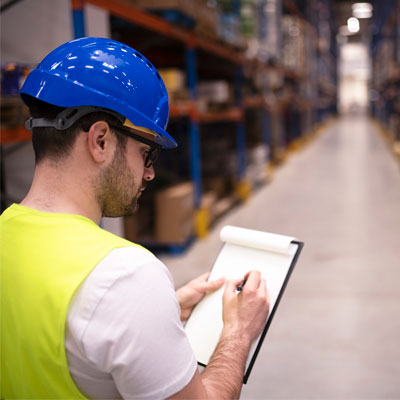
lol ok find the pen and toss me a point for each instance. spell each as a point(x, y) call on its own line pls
point(240, 287)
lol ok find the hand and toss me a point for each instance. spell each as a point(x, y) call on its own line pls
point(245, 313)
point(190, 294)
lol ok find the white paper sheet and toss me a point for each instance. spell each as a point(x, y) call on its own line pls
point(256, 239)
point(244, 250)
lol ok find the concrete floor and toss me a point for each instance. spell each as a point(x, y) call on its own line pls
point(336, 334)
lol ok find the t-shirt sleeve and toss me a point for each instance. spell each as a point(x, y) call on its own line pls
point(136, 335)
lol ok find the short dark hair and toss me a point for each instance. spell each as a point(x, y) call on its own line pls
point(57, 144)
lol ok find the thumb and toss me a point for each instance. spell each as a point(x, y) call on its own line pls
point(211, 286)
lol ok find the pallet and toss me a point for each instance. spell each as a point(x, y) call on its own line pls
point(169, 248)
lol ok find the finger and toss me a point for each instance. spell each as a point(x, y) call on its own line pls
point(203, 277)
point(209, 286)
point(262, 290)
point(232, 285)
point(253, 280)
point(214, 285)
point(199, 281)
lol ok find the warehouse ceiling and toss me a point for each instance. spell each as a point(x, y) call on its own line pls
point(383, 12)
point(344, 11)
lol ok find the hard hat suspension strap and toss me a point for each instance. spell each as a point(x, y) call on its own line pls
point(66, 118)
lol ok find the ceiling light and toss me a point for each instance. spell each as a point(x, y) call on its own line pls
point(344, 31)
point(362, 7)
point(353, 25)
point(361, 14)
point(362, 10)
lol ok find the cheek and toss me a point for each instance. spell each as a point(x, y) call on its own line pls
point(133, 157)
point(135, 165)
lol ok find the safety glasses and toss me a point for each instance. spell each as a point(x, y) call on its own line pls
point(151, 155)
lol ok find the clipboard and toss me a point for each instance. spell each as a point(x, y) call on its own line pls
point(275, 256)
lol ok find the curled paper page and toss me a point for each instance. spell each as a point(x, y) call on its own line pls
point(243, 250)
point(256, 239)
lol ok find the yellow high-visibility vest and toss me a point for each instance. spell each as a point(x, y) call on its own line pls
point(44, 258)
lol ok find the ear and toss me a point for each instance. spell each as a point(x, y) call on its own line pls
point(101, 141)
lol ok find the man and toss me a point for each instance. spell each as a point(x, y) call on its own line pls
point(86, 313)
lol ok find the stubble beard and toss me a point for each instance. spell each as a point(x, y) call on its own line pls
point(114, 188)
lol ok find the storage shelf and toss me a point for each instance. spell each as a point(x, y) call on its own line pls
point(180, 110)
point(254, 102)
point(385, 50)
point(254, 124)
point(232, 115)
point(146, 20)
point(251, 102)
point(294, 9)
point(219, 50)
point(14, 134)
point(157, 24)
point(190, 110)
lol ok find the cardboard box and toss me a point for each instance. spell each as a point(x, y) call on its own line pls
point(175, 214)
point(208, 202)
point(207, 19)
point(140, 226)
point(175, 82)
point(174, 79)
point(200, 15)
point(13, 111)
point(131, 228)
point(216, 91)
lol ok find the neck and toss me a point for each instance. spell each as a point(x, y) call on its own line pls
point(61, 188)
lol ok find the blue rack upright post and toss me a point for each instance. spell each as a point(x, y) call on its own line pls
point(243, 188)
point(201, 215)
point(78, 18)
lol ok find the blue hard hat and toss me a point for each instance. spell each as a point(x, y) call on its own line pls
point(108, 75)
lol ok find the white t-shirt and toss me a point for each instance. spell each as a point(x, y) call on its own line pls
point(124, 337)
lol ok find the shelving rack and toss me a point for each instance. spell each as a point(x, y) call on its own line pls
point(279, 112)
point(385, 51)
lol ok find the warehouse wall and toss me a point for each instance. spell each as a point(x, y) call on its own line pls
point(32, 28)
point(354, 74)
point(29, 30)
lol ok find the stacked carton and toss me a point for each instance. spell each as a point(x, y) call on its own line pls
point(215, 95)
point(256, 171)
point(293, 53)
point(13, 111)
point(175, 214)
point(203, 14)
point(175, 82)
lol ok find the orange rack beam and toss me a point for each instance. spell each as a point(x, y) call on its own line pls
point(253, 102)
point(14, 135)
point(234, 115)
point(179, 110)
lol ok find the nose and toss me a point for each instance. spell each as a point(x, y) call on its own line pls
point(149, 174)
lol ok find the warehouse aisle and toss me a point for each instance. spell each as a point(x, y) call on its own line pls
point(336, 333)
